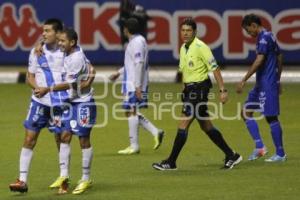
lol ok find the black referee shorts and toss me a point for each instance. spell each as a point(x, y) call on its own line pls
point(195, 98)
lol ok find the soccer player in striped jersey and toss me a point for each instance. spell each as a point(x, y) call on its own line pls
point(43, 71)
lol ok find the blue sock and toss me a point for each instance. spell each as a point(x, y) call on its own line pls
point(277, 137)
point(254, 132)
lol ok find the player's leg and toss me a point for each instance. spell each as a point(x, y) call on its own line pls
point(187, 117)
point(87, 155)
point(86, 119)
point(133, 128)
point(60, 126)
point(149, 126)
point(37, 118)
point(271, 111)
point(276, 132)
point(231, 158)
point(62, 181)
point(133, 124)
point(25, 160)
point(57, 140)
point(179, 142)
point(252, 104)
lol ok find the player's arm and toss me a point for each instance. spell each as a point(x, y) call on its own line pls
point(220, 82)
point(116, 75)
point(38, 48)
point(32, 70)
point(138, 79)
point(280, 60)
point(30, 80)
point(42, 91)
point(213, 66)
point(90, 80)
point(254, 67)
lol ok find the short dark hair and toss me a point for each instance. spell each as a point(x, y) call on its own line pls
point(57, 24)
point(132, 25)
point(71, 34)
point(190, 22)
point(249, 19)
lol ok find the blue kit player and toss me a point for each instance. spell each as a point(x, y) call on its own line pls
point(264, 97)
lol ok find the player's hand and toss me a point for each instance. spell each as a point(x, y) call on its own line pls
point(240, 86)
point(114, 76)
point(138, 93)
point(41, 91)
point(36, 92)
point(38, 49)
point(224, 97)
point(84, 84)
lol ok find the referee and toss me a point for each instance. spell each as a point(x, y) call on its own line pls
point(196, 60)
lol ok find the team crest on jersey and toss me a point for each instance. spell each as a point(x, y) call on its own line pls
point(138, 55)
point(84, 116)
point(56, 121)
point(73, 124)
point(191, 64)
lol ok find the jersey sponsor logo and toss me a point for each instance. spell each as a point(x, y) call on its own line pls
point(263, 41)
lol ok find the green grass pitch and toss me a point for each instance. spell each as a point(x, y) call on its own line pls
point(132, 177)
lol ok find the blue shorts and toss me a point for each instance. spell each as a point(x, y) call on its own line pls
point(80, 118)
point(131, 101)
point(265, 101)
point(40, 116)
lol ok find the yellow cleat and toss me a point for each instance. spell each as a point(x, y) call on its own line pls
point(129, 151)
point(82, 186)
point(158, 139)
point(59, 181)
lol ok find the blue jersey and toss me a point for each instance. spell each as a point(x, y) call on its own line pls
point(267, 76)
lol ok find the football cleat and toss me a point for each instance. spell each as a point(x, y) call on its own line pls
point(18, 186)
point(82, 186)
point(276, 158)
point(129, 151)
point(158, 139)
point(231, 161)
point(59, 181)
point(63, 189)
point(164, 165)
point(257, 153)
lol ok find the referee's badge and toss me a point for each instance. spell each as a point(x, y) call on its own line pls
point(191, 64)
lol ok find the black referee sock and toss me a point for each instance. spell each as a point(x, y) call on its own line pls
point(178, 144)
point(218, 139)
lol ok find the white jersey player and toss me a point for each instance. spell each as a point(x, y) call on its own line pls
point(135, 86)
point(43, 71)
point(80, 117)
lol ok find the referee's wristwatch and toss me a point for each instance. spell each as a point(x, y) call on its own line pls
point(223, 90)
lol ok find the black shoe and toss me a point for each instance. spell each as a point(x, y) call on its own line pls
point(231, 161)
point(164, 165)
